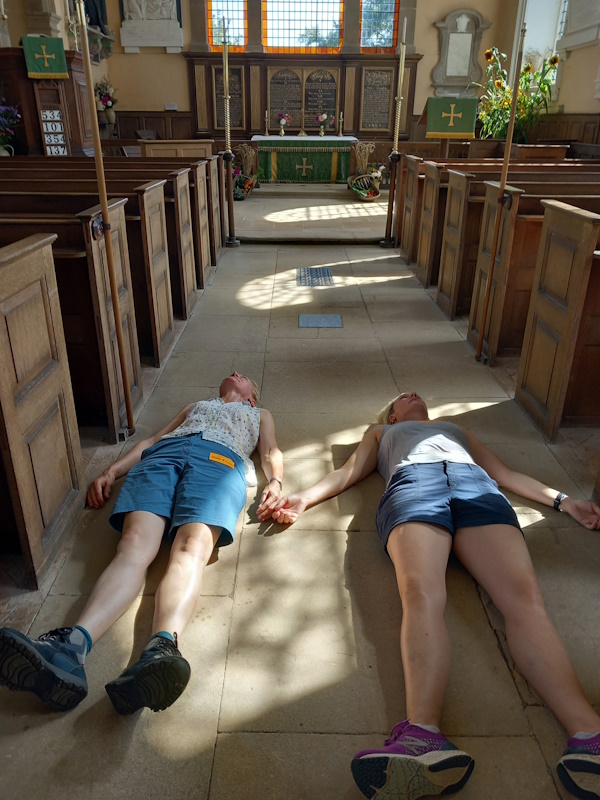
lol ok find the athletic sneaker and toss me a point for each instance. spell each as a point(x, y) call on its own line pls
point(412, 763)
point(579, 768)
point(51, 667)
point(155, 681)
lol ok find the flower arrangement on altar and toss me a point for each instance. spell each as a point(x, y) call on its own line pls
point(284, 119)
point(535, 88)
point(105, 95)
point(9, 118)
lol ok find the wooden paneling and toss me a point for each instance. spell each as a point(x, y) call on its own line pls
point(167, 124)
point(41, 456)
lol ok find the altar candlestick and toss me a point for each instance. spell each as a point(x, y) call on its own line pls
point(266, 123)
point(341, 124)
point(400, 84)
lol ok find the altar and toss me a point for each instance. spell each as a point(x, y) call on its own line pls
point(304, 159)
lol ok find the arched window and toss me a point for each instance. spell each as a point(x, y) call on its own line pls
point(379, 25)
point(234, 13)
point(303, 26)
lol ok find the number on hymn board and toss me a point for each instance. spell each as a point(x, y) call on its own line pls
point(51, 113)
point(56, 150)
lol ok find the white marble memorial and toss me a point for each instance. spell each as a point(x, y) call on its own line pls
point(151, 23)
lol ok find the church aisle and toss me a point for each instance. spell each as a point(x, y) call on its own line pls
point(294, 647)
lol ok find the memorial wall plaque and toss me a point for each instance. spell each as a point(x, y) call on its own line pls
point(376, 99)
point(285, 97)
point(236, 97)
point(320, 96)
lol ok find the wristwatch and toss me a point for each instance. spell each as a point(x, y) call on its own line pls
point(280, 482)
point(558, 500)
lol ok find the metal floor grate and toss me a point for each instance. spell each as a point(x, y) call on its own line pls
point(320, 321)
point(314, 276)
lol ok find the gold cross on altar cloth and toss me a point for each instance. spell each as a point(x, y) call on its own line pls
point(304, 166)
point(451, 115)
point(45, 56)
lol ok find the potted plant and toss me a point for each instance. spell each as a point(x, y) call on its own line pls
point(105, 99)
point(495, 104)
point(9, 117)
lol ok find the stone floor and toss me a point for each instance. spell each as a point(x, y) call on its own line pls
point(294, 647)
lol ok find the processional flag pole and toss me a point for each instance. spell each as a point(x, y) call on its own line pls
point(110, 261)
point(501, 198)
point(394, 158)
point(231, 240)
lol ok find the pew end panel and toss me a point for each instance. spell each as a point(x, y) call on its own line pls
point(41, 479)
point(430, 234)
point(453, 242)
point(411, 212)
point(201, 216)
point(214, 211)
point(179, 229)
point(555, 320)
point(105, 316)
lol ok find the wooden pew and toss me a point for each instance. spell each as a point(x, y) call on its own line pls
point(217, 244)
point(149, 257)
point(435, 189)
point(86, 308)
point(558, 376)
point(41, 475)
point(512, 282)
point(143, 170)
point(462, 232)
point(177, 213)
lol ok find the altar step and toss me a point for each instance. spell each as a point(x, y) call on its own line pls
point(292, 213)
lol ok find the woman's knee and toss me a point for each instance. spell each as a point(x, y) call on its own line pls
point(523, 597)
point(137, 543)
point(419, 592)
point(193, 542)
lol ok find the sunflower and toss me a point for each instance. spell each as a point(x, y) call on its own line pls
point(527, 69)
point(489, 55)
point(553, 61)
point(498, 83)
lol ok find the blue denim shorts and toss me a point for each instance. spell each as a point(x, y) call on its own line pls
point(445, 493)
point(185, 479)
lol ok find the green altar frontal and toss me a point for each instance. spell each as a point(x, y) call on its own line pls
point(304, 159)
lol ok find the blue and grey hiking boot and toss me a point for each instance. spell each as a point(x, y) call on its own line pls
point(156, 680)
point(51, 667)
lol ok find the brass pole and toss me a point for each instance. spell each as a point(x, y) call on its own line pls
point(501, 187)
point(110, 262)
point(394, 158)
point(231, 240)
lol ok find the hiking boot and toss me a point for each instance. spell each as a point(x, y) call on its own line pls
point(155, 681)
point(579, 768)
point(412, 763)
point(50, 667)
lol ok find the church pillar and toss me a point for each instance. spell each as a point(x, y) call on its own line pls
point(199, 42)
point(255, 44)
point(42, 17)
point(351, 27)
point(408, 11)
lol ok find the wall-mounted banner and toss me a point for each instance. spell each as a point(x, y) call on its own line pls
point(45, 57)
point(451, 117)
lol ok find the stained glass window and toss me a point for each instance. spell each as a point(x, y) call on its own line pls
point(303, 26)
point(233, 13)
point(379, 25)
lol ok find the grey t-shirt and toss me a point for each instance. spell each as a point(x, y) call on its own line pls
point(420, 443)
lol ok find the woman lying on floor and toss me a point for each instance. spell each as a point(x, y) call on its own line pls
point(442, 495)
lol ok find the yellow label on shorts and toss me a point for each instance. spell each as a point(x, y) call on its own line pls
point(221, 460)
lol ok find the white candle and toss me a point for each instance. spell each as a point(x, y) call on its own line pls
point(404, 31)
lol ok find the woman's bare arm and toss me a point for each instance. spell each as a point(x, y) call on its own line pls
point(271, 459)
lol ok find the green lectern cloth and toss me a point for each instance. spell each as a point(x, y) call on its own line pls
point(304, 159)
point(451, 117)
point(45, 57)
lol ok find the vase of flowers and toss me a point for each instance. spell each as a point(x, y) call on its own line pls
point(9, 117)
point(495, 104)
point(284, 119)
point(105, 99)
point(320, 118)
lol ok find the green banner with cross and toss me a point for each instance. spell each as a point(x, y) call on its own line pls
point(451, 117)
point(45, 57)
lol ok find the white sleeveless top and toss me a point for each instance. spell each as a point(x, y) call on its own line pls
point(235, 425)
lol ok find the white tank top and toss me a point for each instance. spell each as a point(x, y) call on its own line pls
point(235, 425)
point(420, 443)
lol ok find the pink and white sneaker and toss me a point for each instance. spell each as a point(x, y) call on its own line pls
point(579, 768)
point(412, 763)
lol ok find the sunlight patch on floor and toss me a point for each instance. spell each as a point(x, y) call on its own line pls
point(326, 213)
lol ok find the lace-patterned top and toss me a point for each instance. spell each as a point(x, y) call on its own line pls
point(235, 425)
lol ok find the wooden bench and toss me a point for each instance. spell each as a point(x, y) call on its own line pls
point(558, 376)
point(177, 214)
point(142, 170)
point(462, 232)
point(41, 475)
point(86, 308)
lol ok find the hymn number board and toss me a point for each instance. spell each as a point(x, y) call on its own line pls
point(52, 118)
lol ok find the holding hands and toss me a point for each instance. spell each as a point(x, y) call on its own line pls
point(583, 512)
point(269, 499)
point(289, 508)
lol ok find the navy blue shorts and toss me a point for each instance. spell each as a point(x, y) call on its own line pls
point(186, 479)
point(445, 493)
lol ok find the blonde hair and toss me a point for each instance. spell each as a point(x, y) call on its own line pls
point(255, 391)
point(383, 418)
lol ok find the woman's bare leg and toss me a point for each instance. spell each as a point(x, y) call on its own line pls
point(122, 580)
point(420, 553)
point(498, 558)
point(180, 587)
